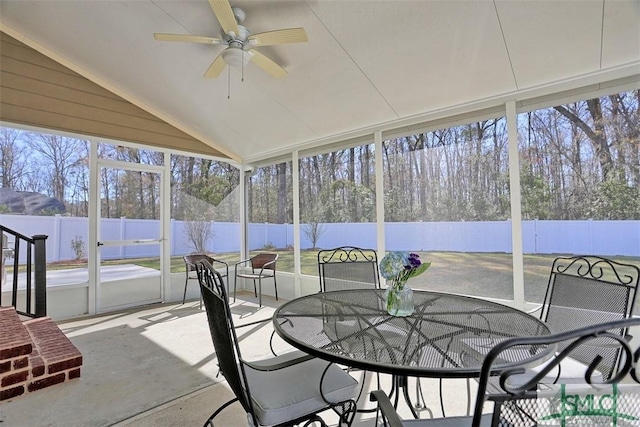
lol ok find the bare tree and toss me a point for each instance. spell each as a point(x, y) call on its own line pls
point(60, 155)
point(12, 162)
point(313, 227)
point(199, 233)
point(198, 220)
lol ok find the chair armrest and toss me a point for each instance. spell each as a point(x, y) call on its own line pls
point(226, 265)
point(213, 260)
point(266, 264)
point(626, 337)
point(276, 366)
point(388, 411)
point(235, 266)
point(242, 262)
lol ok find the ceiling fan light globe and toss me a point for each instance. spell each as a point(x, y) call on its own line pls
point(234, 57)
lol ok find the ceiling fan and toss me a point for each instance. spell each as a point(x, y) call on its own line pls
point(241, 44)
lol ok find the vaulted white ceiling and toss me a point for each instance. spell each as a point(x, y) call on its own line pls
point(367, 64)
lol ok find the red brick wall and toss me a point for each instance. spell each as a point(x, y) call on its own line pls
point(33, 355)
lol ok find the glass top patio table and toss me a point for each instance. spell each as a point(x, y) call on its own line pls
point(447, 336)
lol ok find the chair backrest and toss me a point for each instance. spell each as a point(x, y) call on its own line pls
point(587, 290)
point(518, 403)
point(192, 259)
point(265, 260)
point(348, 267)
point(223, 332)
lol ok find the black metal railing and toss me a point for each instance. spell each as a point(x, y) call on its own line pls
point(33, 297)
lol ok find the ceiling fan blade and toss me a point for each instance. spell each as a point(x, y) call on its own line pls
point(270, 38)
point(186, 38)
point(224, 14)
point(216, 67)
point(267, 65)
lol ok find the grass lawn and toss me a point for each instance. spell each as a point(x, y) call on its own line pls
point(480, 274)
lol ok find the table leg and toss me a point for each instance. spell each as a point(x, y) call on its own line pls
point(421, 405)
point(402, 382)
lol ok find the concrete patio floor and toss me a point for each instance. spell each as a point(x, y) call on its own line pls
point(155, 366)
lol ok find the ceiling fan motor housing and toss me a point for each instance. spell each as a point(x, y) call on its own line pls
point(242, 37)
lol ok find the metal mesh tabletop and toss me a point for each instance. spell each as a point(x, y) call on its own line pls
point(446, 336)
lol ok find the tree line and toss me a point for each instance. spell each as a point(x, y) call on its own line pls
point(577, 161)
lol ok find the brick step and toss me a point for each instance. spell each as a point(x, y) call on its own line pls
point(15, 347)
point(15, 341)
point(34, 354)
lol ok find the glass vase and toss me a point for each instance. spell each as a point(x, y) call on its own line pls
point(399, 301)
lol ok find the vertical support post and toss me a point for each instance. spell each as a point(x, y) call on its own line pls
point(377, 138)
point(40, 274)
point(244, 222)
point(516, 211)
point(93, 292)
point(297, 268)
point(165, 229)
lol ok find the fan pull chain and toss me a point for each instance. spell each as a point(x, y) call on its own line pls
point(228, 82)
point(242, 70)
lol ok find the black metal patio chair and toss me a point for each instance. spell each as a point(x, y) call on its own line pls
point(525, 401)
point(282, 391)
point(348, 267)
point(583, 291)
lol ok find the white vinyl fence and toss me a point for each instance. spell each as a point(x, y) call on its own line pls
point(607, 238)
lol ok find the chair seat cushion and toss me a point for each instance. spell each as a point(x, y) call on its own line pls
point(294, 391)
